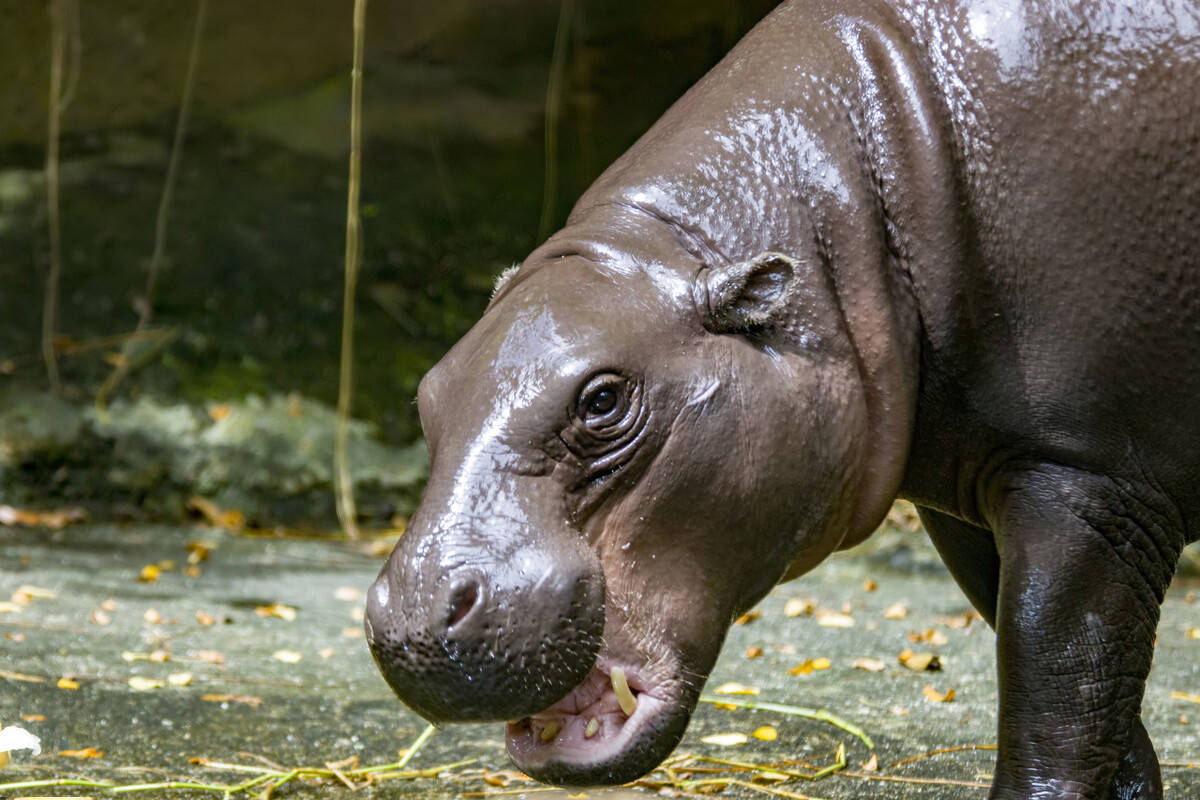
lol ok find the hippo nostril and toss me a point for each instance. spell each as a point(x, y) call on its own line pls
point(463, 597)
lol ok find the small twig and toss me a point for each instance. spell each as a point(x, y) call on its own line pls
point(796, 711)
point(838, 764)
point(746, 785)
point(60, 20)
point(945, 750)
point(904, 779)
point(168, 192)
point(343, 482)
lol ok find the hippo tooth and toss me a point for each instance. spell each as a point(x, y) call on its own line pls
point(624, 696)
point(593, 725)
point(550, 731)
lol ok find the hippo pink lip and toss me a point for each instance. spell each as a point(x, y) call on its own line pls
point(567, 748)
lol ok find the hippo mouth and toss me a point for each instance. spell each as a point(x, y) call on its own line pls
point(615, 726)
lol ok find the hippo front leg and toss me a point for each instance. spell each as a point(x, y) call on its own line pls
point(970, 554)
point(1084, 563)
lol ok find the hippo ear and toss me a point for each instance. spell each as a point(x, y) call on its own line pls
point(748, 296)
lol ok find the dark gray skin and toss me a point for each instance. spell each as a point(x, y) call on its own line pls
point(948, 251)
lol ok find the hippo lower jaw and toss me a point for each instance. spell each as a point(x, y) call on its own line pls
point(586, 739)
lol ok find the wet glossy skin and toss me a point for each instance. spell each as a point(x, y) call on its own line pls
point(942, 250)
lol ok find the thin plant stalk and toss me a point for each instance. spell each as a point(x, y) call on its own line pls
point(554, 91)
point(347, 510)
point(168, 192)
point(796, 711)
point(60, 19)
point(158, 254)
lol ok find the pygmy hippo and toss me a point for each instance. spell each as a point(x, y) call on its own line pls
point(946, 250)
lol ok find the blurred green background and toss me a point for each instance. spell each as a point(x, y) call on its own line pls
point(229, 397)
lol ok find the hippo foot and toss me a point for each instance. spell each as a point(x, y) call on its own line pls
point(587, 738)
point(1138, 776)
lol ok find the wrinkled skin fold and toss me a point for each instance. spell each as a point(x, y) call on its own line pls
point(948, 251)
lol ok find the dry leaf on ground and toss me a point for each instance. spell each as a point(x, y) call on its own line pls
point(736, 688)
point(870, 664)
point(725, 739)
point(929, 636)
point(87, 752)
point(767, 733)
point(287, 613)
point(920, 662)
point(809, 666)
point(834, 619)
point(934, 696)
point(245, 699)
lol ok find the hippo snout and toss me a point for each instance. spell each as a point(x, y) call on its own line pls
point(496, 636)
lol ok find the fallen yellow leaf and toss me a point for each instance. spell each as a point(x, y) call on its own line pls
point(40, 519)
point(149, 573)
point(920, 662)
point(1191, 698)
point(735, 688)
point(287, 656)
point(67, 683)
point(930, 636)
point(754, 651)
point(869, 664)
point(934, 696)
point(748, 617)
point(726, 739)
point(87, 752)
point(140, 683)
point(179, 678)
point(25, 595)
point(895, 611)
point(833, 619)
point(279, 610)
point(767, 733)
point(871, 764)
point(798, 607)
point(198, 552)
point(809, 666)
point(216, 516)
point(246, 699)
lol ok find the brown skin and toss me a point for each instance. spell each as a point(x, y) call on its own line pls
point(941, 250)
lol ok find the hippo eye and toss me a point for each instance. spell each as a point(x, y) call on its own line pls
point(601, 401)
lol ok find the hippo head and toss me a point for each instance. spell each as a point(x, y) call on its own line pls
point(628, 450)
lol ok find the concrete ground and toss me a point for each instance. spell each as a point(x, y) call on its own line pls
point(102, 624)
